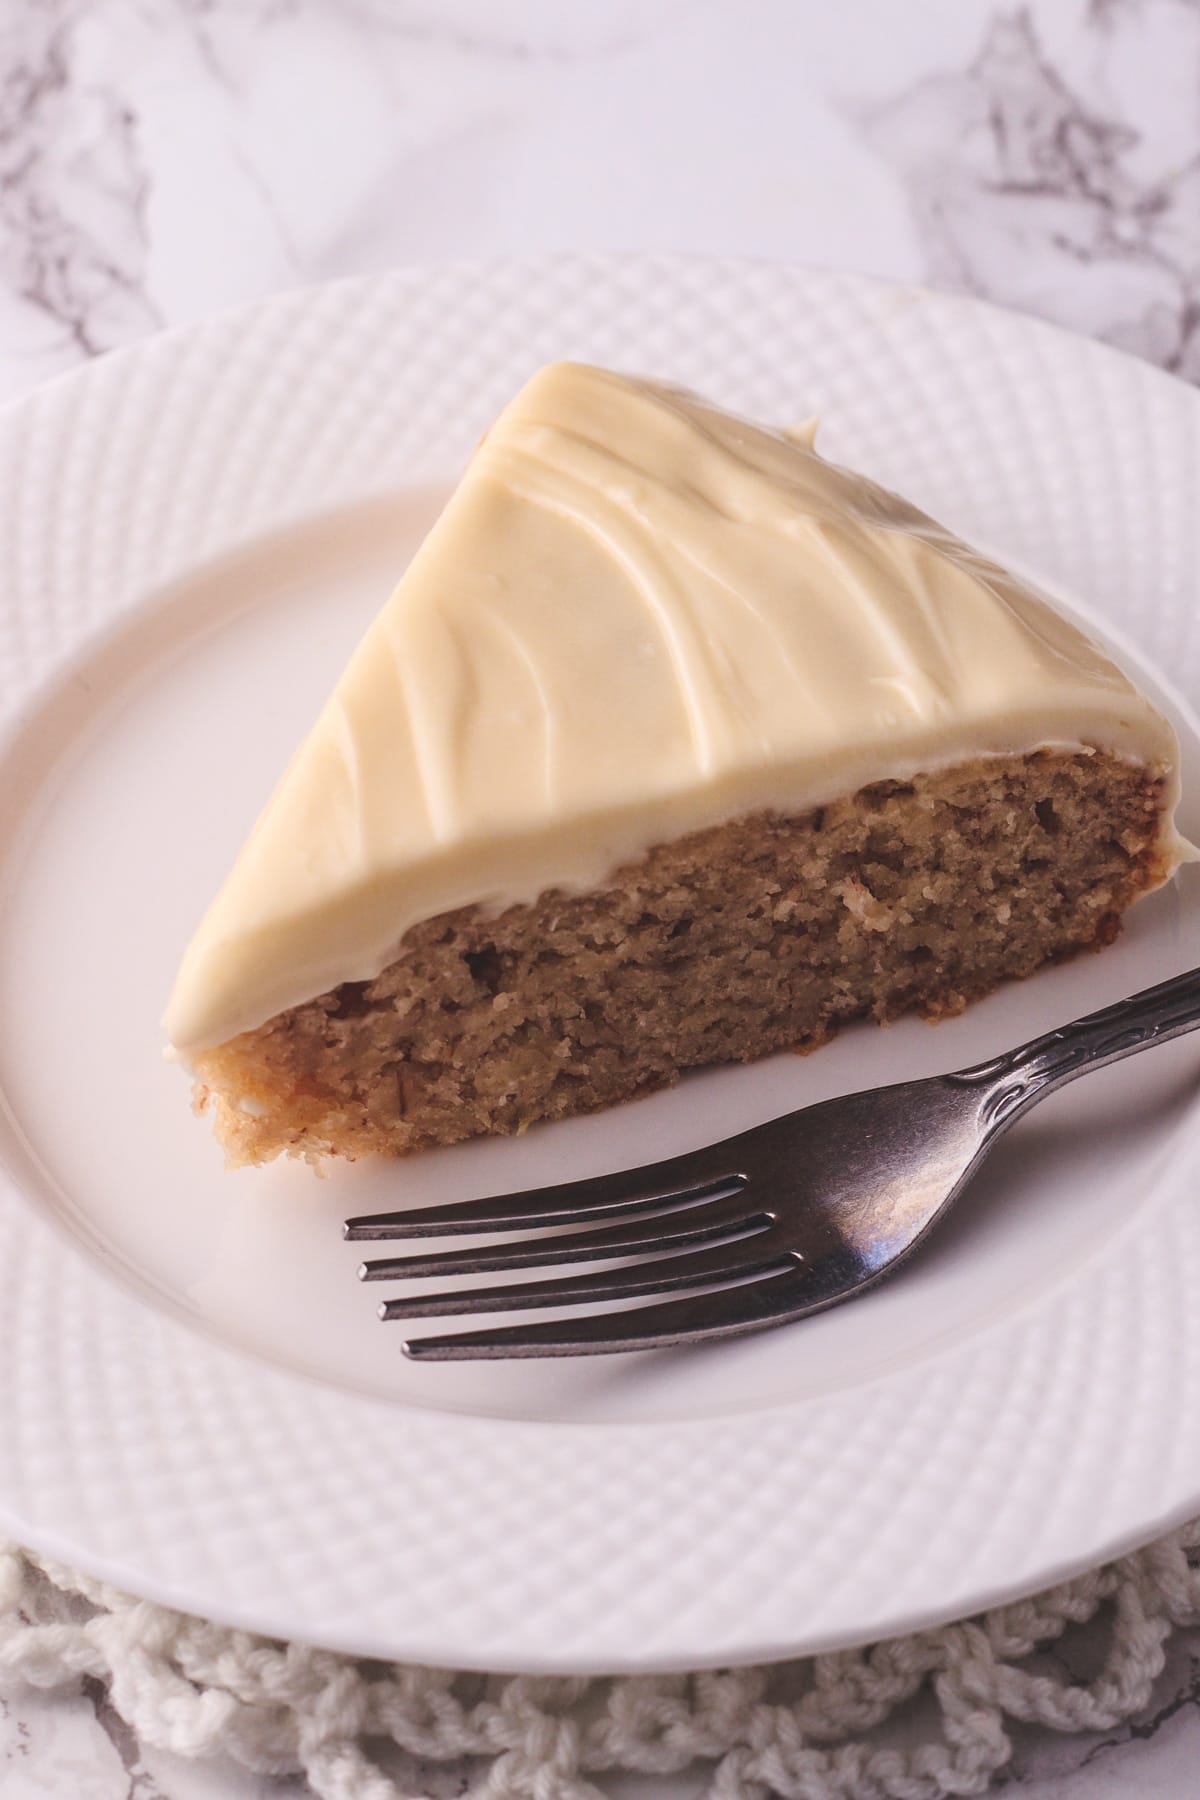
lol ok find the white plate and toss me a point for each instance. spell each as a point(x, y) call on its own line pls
point(196, 1400)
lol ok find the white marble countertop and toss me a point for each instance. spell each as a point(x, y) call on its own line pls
point(163, 158)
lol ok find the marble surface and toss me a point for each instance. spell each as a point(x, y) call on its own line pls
point(163, 158)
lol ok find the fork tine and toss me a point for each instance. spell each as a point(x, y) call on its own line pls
point(698, 1225)
point(679, 1181)
point(710, 1263)
point(769, 1299)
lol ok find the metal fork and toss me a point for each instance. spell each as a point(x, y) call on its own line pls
point(763, 1228)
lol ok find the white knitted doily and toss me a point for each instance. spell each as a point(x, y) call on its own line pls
point(916, 1718)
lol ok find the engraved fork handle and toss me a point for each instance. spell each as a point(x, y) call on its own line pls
point(1024, 1075)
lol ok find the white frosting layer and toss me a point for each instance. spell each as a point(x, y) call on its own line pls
point(637, 616)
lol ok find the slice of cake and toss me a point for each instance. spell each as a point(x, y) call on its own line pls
point(675, 745)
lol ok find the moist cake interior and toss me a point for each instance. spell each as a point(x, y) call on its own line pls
point(759, 935)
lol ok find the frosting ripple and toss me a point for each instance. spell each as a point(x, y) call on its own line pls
point(637, 616)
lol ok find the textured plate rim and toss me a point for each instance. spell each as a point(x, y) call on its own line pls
point(30, 1237)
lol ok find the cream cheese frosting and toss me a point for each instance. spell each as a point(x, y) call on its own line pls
point(637, 616)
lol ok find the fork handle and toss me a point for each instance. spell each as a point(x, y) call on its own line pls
point(1024, 1075)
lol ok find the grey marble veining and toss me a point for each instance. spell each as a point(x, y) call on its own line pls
point(73, 187)
point(1046, 192)
point(160, 158)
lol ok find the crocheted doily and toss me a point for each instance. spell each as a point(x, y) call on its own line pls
point(916, 1718)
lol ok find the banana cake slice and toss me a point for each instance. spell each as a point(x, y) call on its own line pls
point(676, 744)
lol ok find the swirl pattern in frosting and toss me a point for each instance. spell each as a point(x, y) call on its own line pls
point(638, 616)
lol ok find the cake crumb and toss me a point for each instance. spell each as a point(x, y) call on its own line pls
point(767, 933)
